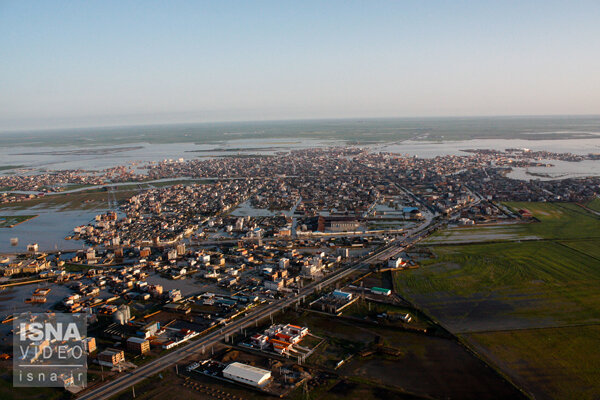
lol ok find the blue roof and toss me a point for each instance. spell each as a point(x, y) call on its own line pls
point(409, 209)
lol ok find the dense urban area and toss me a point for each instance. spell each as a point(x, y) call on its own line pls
point(312, 274)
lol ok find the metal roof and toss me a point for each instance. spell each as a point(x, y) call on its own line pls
point(247, 371)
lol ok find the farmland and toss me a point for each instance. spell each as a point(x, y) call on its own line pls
point(506, 285)
point(553, 362)
point(594, 204)
point(560, 221)
point(481, 234)
point(530, 307)
point(589, 247)
point(557, 221)
point(427, 366)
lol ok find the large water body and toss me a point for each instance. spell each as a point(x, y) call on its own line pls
point(147, 152)
point(423, 137)
point(41, 151)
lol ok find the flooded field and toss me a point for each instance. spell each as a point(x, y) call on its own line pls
point(558, 170)
point(48, 229)
point(138, 153)
point(98, 158)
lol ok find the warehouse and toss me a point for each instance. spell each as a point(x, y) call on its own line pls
point(247, 374)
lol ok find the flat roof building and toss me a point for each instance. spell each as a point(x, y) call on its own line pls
point(111, 357)
point(138, 345)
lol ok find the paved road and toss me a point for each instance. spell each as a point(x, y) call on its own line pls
point(131, 378)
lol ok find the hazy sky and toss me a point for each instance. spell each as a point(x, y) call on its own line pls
point(82, 63)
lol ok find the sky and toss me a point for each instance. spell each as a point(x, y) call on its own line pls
point(96, 63)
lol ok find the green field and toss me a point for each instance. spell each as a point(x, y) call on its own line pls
point(555, 362)
point(589, 247)
point(594, 204)
point(556, 220)
point(532, 307)
point(481, 234)
point(560, 221)
point(505, 285)
point(8, 221)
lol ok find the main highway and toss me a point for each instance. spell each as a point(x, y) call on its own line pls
point(128, 379)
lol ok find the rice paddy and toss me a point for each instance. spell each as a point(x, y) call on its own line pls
point(530, 307)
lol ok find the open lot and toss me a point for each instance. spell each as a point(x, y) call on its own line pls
point(552, 363)
point(8, 392)
point(529, 307)
point(374, 311)
point(352, 388)
point(427, 366)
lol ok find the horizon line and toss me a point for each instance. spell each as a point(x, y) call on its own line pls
point(241, 121)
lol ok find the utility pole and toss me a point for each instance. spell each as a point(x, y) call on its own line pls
point(133, 390)
point(306, 396)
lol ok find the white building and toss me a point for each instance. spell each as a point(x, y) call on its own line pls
point(239, 224)
point(172, 254)
point(247, 374)
point(396, 262)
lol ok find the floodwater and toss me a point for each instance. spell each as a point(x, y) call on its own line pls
point(558, 170)
point(95, 159)
point(51, 226)
point(12, 301)
point(433, 149)
point(141, 153)
point(48, 229)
